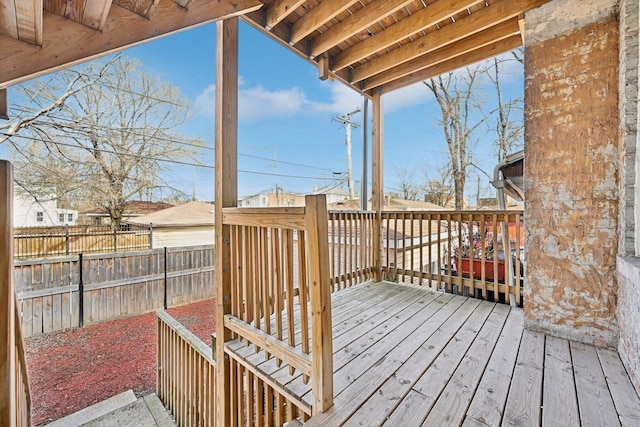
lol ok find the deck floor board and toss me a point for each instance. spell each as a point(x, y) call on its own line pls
point(407, 356)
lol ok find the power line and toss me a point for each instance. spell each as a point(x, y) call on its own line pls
point(102, 150)
point(161, 138)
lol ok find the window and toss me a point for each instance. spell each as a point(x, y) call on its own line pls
point(70, 217)
point(39, 216)
point(60, 217)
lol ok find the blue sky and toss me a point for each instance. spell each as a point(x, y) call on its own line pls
point(286, 112)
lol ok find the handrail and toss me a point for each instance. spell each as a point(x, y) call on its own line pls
point(351, 235)
point(280, 288)
point(15, 396)
point(186, 374)
point(23, 391)
point(457, 251)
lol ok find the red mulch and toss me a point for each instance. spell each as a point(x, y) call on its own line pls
point(70, 370)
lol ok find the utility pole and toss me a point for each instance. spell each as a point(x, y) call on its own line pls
point(348, 124)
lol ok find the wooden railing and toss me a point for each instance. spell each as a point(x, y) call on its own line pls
point(15, 397)
point(186, 374)
point(280, 290)
point(350, 247)
point(22, 390)
point(475, 253)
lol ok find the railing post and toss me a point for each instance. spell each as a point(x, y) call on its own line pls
point(226, 195)
point(151, 236)
point(377, 187)
point(115, 239)
point(66, 239)
point(7, 300)
point(317, 227)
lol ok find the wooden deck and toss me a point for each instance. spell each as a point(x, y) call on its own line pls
point(406, 356)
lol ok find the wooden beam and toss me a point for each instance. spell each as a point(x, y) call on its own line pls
point(424, 18)
point(280, 9)
point(521, 24)
point(141, 7)
point(486, 37)
point(317, 219)
point(477, 55)
point(4, 104)
point(318, 16)
point(68, 43)
point(323, 66)
point(363, 18)
point(22, 20)
point(377, 177)
point(7, 300)
point(226, 195)
point(92, 14)
point(497, 12)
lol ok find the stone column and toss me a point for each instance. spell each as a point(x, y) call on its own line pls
point(571, 155)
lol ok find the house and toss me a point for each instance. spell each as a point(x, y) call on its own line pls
point(31, 212)
point(574, 347)
point(276, 196)
point(186, 224)
point(132, 209)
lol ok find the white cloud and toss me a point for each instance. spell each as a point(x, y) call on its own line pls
point(259, 103)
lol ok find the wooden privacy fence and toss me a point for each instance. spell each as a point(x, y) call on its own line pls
point(62, 292)
point(186, 374)
point(280, 304)
point(475, 253)
point(35, 242)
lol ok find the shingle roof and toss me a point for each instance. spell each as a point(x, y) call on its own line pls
point(192, 213)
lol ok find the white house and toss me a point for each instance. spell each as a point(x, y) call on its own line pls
point(29, 212)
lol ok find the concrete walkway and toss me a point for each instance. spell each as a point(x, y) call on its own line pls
point(120, 410)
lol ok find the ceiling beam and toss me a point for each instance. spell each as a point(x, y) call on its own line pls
point(317, 17)
point(68, 43)
point(93, 14)
point(497, 12)
point(360, 20)
point(477, 55)
point(280, 9)
point(424, 18)
point(486, 37)
point(4, 104)
point(141, 7)
point(22, 20)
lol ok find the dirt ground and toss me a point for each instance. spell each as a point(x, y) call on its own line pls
point(72, 369)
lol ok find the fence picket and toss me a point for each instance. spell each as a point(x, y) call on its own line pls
point(62, 292)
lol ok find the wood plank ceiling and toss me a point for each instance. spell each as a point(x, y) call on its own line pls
point(372, 45)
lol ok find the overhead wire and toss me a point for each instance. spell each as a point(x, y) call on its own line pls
point(168, 160)
point(160, 138)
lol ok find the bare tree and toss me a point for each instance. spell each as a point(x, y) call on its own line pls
point(409, 188)
point(103, 132)
point(508, 128)
point(461, 115)
point(439, 189)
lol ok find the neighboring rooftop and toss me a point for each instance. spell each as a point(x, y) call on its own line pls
point(133, 208)
point(191, 213)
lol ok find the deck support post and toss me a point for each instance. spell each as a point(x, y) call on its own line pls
point(226, 195)
point(377, 187)
point(317, 227)
point(7, 300)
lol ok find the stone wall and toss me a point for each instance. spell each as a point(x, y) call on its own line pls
point(571, 178)
point(628, 266)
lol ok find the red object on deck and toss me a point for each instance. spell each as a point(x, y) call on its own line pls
point(477, 269)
